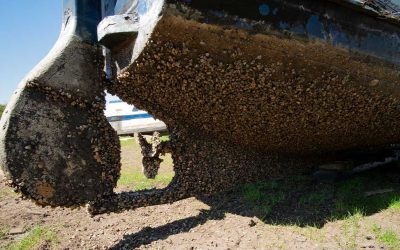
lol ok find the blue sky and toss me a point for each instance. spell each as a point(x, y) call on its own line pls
point(29, 28)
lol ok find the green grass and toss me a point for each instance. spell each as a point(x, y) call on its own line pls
point(387, 237)
point(132, 176)
point(34, 237)
point(316, 198)
point(140, 182)
point(299, 200)
point(395, 204)
point(350, 196)
point(165, 138)
point(127, 141)
point(2, 108)
point(351, 229)
point(6, 192)
point(261, 198)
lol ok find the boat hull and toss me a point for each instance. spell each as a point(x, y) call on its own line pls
point(274, 92)
point(243, 104)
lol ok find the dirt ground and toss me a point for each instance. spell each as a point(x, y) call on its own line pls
point(278, 214)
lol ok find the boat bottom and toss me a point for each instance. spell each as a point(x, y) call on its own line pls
point(242, 107)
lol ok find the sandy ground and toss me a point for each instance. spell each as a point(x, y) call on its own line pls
point(224, 221)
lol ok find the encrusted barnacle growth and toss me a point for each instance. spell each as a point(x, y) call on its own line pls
point(245, 103)
point(70, 152)
point(151, 161)
point(56, 146)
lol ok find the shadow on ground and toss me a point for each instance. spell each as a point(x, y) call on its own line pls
point(298, 200)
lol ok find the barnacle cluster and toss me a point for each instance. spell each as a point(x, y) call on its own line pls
point(243, 106)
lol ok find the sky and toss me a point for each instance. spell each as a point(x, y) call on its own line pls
point(29, 28)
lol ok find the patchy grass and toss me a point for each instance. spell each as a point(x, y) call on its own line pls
point(4, 229)
point(127, 141)
point(387, 237)
point(390, 238)
point(164, 138)
point(301, 201)
point(395, 204)
point(317, 197)
point(311, 232)
point(263, 195)
point(140, 182)
point(351, 197)
point(34, 237)
point(350, 230)
point(7, 192)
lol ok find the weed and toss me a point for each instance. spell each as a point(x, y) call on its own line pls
point(390, 238)
point(387, 237)
point(33, 238)
point(351, 228)
point(395, 204)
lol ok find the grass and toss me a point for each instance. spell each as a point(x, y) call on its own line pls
point(311, 232)
point(317, 198)
point(351, 229)
point(350, 196)
point(4, 229)
point(387, 237)
point(263, 201)
point(299, 200)
point(395, 204)
point(165, 138)
point(34, 237)
point(140, 182)
point(127, 141)
point(7, 193)
point(2, 108)
point(305, 206)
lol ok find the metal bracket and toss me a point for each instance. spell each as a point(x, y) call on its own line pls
point(114, 30)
